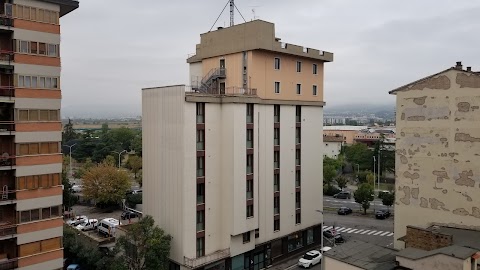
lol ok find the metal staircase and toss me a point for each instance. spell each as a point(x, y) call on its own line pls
point(209, 83)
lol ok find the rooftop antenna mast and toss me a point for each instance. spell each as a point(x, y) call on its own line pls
point(232, 12)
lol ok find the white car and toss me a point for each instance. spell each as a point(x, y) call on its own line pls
point(77, 188)
point(311, 258)
point(76, 220)
point(89, 224)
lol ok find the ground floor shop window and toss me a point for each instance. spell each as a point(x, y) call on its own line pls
point(309, 236)
point(295, 241)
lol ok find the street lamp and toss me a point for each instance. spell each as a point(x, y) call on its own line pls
point(374, 177)
point(70, 146)
point(119, 154)
point(322, 267)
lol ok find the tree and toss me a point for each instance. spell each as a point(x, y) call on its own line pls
point(364, 195)
point(69, 133)
point(137, 143)
point(388, 199)
point(342, 182)
point(110, 160)
point(359, 154)
point(105, 184)
point(140, 178)
point(145, 246)
point(69, 199)
point(370, 178)
point(329, 173)
point(134, 163)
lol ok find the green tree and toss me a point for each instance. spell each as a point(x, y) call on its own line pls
point(137, 143)
point(110, 160)
point(69, 199)
point(140, 178)
point(336, 163)
point(105, 184)
point(69, 133)
point(388, 199)
point(370, 178)
point(145, 246)
point(364, 195)
point(387, 157)
point(329, 173)
point(359, 154)
point(134, 163)
point(342, 182)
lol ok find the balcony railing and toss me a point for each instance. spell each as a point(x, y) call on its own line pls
point(7, 229)
point(6, 21)
point(229, 91)
point(7, 126)
point(7, 161)
point(9, 264)
point(7, 194)
point(204, 260)
point(7, 91)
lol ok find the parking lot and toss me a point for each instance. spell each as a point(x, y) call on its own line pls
point(96, 213)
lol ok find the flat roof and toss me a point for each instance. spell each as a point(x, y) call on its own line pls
point(451, 251)
point(346, 128)
point(364, 255)
point(66, 6)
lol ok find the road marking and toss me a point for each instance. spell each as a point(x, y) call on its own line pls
point(390, 234)
point(378, 233)
point(365, 232)
point(324, 227)
point(343, 229)
point(359, 231)
point(385, 233)
point(351, 231)
point(328, 228)
point(372, 232)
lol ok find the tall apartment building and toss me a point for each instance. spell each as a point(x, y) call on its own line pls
point(30, 134)
point(438, 145)
point(233, 163)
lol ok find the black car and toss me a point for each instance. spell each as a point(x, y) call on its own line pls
point(338, 237)
point(342, 195)
point(344, 211)
point(128, 215)
point(382, 214)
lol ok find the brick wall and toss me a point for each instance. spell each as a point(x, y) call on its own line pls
point(426, 239)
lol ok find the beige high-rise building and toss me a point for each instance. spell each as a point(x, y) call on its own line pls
point(233, 161)
point(438, 149)
point(31, 133)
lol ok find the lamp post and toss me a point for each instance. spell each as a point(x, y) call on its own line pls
point(322, 267)
point(374, 177)
point(70, 146)
point(119, 155)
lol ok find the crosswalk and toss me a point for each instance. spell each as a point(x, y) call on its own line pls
point(359, 231)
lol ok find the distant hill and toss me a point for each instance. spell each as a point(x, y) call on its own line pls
point(360, 108)
point(103, 111)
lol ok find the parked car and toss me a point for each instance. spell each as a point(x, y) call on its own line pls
point(343, 195)
point(128, 215)
point(382, 193)
point(338, 236)
point(77, 188)
point(310, 259)
point(89, 224)
point(382, 214)
point(73, 267)
point(107, 226)
point(76, 220)
point(344, 211)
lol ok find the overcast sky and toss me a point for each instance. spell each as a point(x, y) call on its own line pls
point(113, 48)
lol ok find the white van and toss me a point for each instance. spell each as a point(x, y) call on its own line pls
point(108, 226)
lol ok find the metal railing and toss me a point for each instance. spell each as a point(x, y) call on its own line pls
point(229, 91)
point(214, 73)
point(7, 230)
point(8, 161)
point(201, 261)
point(6, 55)
point(7, 91)
point(8, 265)
point(7, 126)
point(7, 194)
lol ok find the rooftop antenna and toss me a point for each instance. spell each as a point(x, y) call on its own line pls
point(232, 12)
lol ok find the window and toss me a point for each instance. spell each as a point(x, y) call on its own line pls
point(39, 214)
point(298, 155)
point(276, 225)
point(299, 89)
point(200, 166)
point(250, 211)
point(200, 246)
point(314, 90)
point(249, 163)
point(276, 159)
point(48, 82)
point(309, 236)
point(27, 82)
point(54, 83)
point(314, 66)
point(246, 237)
point(277, 63)
point(34, 82)
point(298, 113)
point(257, 233)
point(33, 14)
point(277, 87)
point(276, 182)
point(201, 193)
point(200, 221)
point(276, 113)
point(276, 205)
point(42, 48)
point(249, 138)
point(21, 81)
point(298, 179)
point(276, 136)
point(298, 135)
point(23, 46)
point(33, 47)
point(297, 200)
point(250, 113)
point(52, 50)
point(249, 189)
point(200, 113)
point(299, 66)
point(200, 139)
point(298, 218)
point(41, 82)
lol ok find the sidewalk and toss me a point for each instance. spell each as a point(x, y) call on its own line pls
point(292, 260)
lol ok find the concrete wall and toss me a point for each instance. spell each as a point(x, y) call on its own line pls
point(438, 144)
point(332, 149)
point(437, 262)
point(331, 263)
point(348, 135)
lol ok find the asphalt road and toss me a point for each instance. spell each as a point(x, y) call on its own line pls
point(330, 202)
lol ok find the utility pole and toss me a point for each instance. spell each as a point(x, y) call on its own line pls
point(232, 11)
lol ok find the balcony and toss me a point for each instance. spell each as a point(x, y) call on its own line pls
point(217, 91)
point(7, 185)
point(7, 153)
point(8, 224)
point(8, 254)
point(204, 260)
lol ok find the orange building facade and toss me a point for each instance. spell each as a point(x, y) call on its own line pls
point(30, 134)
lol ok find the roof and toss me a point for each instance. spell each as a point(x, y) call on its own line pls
point(455, 251)
point(66, 6)
point(332, 139)
point(364, 255)
point(463, 237)
point(345, 128)
point(407, 86)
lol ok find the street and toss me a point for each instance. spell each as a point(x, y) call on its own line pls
point(330, 202)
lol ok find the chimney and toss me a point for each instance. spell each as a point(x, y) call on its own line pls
point(469, 68)
point(459, 66)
